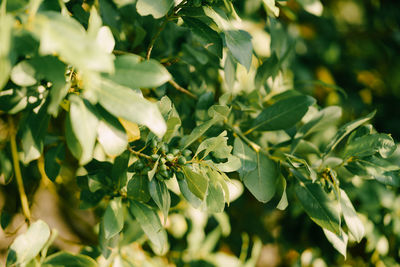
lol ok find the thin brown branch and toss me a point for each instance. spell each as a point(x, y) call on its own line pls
point(181, 89)
point(139, 154)
point(153, 40)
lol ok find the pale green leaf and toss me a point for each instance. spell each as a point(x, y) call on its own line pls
point(247, 156)
point(156, 8)
point(151, 225)
point(215, 199)
point(339, 242)
point(113, 219)
point(354, 223)
point(27, 245)
point(196, 182)
point(232, 164)
point(188, 195)
point(160, 194)
point(84, 124)
point(230, 71)
point(111, 135)
point(127, 104)
point(23, 74)
point(271, 8)
point(262, 181)
point(370, 144)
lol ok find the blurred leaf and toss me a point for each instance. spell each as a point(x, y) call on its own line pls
point(131, 128)
point(156, 8)
point(129, 105)
point(52, 161)
point(270, 7)
point(196, 182)
point(23, 74)
point(283, 114)
point(113, 219)
point(230, 71)
point(325, 117)
point(345, 130)
point(151, 225)
point(84, 122)
point(350, 216)
point(262, 181)
point(26, 246)
point(269, 68)
point(6, 25)
point(68, 260)
point(132, 73)
point(160, 194)
point(322, 209)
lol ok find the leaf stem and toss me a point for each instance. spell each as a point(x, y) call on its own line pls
point(17, 171)
point(153, 40)
point(239, 133)
point(181, 89)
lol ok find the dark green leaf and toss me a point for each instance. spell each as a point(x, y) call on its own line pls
point(368, 145)
point(119, 170)
point(206, 36)
point(239, 44)
point(269, 68)
point(322, 208)
point(150, 224)
point(26, 246)
point(282, 114)
point(6, 25)
point(113, 220)
point(138, 188)
point(69, 260)
point(52, 160)
point(345, 130)
point(262, 181)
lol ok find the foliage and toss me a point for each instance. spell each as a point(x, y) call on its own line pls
point(160, 112)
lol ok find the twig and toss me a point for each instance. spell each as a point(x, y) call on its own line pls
point(17, 170)
point(181, 89)
point(153, 40)
point(139, 154)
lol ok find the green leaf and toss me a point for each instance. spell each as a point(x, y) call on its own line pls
point(322, 208)
point(138, 188)
point(345, 130)
point(206, 36)
point(247, 156)
point(269, 68)
point(160, 194)
point(23, 74)
point(34, 131)
point(156, 8)
point(66, 37)
point(283, 114)
point(111, 135)
point(270, 7)
point(67, 259)
point(127, 104)
point(239, 44)
point(324, 118)
point(230, 71)
point(339, 242)
point(172, 117)
point(262, 181)
point(113, 219)
point(200, 130)
point(52, 160)
point(132, 73)
point(232, 164)
point(215, 200)
point(368, 145)
point(196, 182)
point(188, 195)
point(84, 123)
point(72, 141)
point(27, 245)
point(6, 25)
point(119, 170)
point(218, 145)
point(151, 225)
point(350, 216)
